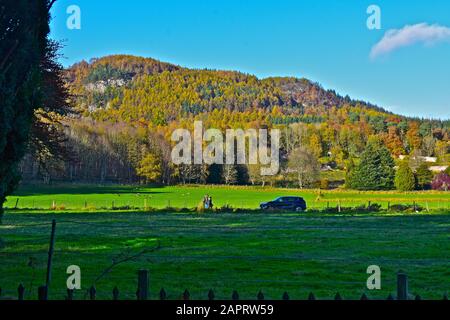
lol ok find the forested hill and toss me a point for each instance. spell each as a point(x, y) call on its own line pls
point(128, 88)
point(127, 108)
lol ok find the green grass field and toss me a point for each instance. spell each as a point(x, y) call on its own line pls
point(272, 252)
point(76, 197)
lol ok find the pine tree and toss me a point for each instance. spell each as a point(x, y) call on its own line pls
point(424, 176)
point(404, 178)
point(27, 81)
point(375, 170)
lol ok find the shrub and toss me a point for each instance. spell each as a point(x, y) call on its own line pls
point(324, 184)
point(374, 207)
point(201, 207)
point(406, 208)
point(441, 182)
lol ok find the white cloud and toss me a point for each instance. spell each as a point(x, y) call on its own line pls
point(410, 35)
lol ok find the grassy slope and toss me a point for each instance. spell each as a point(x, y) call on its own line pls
point(297, 253)
point(75, 197)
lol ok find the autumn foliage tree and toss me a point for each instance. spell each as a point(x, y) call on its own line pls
point(305, 166)
point(150, 168)
point(441, 182)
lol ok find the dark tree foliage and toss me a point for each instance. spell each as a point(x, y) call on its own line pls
point(31, 89)
point(375, 170)
point(424, 176)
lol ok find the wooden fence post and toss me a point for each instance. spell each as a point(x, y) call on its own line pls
point(21, 292)
point(115, 294)
point(260, 295)
point(42, 293)
point(402, 286)
point(50, 255)
point(211, 295)
point(143, 284)
point(17, 204)
point(92, 293)
point(69, 294)
point(162, 294)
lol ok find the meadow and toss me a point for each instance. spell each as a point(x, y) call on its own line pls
point(76, 197)
point(248, 252)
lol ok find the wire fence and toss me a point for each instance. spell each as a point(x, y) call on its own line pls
point(143, 292)
point(385, 203)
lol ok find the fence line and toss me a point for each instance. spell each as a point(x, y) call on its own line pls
point(145, 204)
point(143, 291)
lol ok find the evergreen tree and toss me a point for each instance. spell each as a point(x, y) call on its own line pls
point(424, 176)
point(375, 170)
point(404, 178)
point(27, 81)
point(214, 174)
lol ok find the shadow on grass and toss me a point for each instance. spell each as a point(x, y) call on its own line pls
point(77, 189)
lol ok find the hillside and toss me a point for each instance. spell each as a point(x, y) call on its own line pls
point(127, 108)
point(132, 88)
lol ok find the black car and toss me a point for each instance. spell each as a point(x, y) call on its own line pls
point(285, 203)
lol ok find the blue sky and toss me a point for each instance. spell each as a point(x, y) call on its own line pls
point(324, 40)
